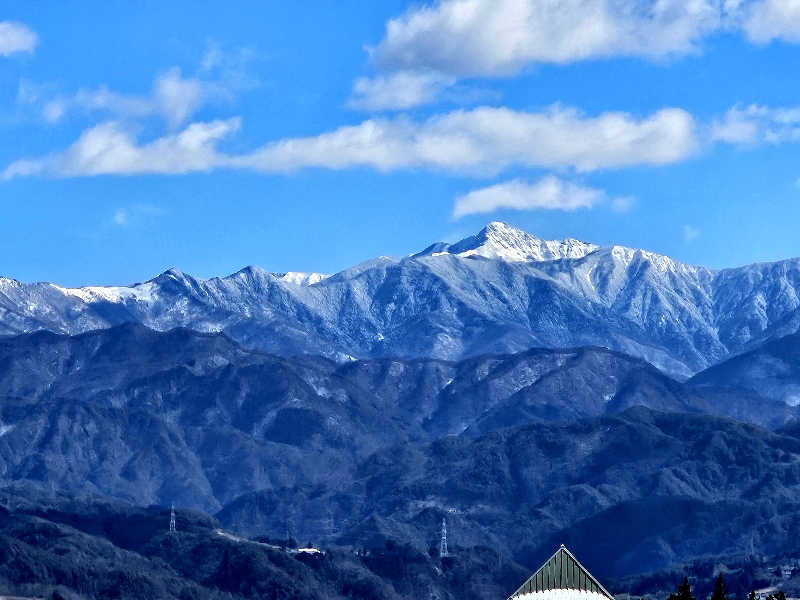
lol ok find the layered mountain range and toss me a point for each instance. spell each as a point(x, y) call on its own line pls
point(532, 392)
point(149, 416)
point(499, 291)
point(514, 449)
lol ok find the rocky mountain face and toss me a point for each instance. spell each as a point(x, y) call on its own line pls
point(499, 291)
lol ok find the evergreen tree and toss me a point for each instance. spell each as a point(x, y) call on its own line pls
point(720, 589)
point(684, 591)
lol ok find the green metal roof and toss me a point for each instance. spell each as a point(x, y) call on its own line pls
point(562, 571)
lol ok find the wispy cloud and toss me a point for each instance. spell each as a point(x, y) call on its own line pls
point(766, 20)
point(690, 233)
point(16, 37)
point(622, 204)
point(756, 124)
point(548, 193)
point(174, 97)
point(126, 216)
point(397, 91)
point(111, 149)
point(120, 217)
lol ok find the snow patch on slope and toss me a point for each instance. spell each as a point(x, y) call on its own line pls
point(142, 292)
point(300, 278)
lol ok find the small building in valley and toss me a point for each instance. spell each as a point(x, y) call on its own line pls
point(561, 577)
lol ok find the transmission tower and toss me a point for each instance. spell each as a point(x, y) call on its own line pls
point(330, 525)
point(172, 518)
point(443, 541)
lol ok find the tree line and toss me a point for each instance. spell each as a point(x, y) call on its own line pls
point(720, 592)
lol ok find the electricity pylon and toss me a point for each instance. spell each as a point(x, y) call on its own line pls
point(443, 541)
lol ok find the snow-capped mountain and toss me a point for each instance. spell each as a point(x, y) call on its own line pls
point(504, 242)
point(501, 290)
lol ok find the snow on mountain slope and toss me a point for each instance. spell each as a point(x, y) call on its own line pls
point(298, 278)
point(501, 290)
point(504, 242)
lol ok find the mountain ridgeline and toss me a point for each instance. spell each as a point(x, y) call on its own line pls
point(499, 291)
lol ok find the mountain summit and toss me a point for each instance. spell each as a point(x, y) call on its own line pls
point(502, 241)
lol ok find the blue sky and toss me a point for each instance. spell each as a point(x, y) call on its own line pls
point(311, 136)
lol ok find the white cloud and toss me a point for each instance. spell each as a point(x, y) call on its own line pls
point(109, 148)
point(766, 20)
point(690, 233)
point(486, 140)
point(737, 126)
point(16, 37)
point(548, 193)
point(99, 100)
point(438, 43)
point(478, 142)
point(178, 98)
point(466, 38)
point(757, 124)
point(173, 97)
point(396, 91)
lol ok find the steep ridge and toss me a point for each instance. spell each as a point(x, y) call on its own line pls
point(771, 370)
point(501, 290)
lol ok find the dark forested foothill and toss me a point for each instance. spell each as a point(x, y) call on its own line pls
point(69, 549)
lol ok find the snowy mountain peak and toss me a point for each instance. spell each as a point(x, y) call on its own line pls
point(171, 273)
point(502, 241)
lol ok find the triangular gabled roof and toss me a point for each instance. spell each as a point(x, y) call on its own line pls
point(562, 571)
